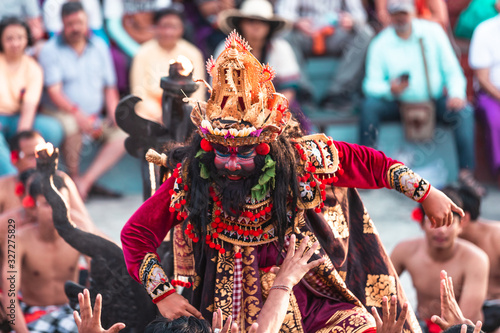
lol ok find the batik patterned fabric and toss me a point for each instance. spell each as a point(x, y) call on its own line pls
point(154, 278)
point(404, 180)
point(48, 319)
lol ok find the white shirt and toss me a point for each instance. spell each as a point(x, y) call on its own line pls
point(52, 14)
point(484, 49)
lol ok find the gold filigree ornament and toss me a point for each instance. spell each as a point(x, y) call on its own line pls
point(244, 107)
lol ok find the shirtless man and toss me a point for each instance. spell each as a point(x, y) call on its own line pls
point(23, 145)
point(22, 148)
point(486, 235)
point(43, 262)
point(440, 249)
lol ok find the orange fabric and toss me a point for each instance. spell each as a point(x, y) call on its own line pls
point(423, 10)
point(318, 40)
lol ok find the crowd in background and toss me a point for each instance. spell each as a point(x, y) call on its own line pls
point(64, 64)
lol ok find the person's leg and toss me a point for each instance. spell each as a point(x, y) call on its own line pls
point(50, 129)
point(462, 124)
point(373, 111)
point(111, 152)
point(350, 73)
point(490, 109)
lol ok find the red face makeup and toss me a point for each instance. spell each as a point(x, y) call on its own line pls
point(236, 162)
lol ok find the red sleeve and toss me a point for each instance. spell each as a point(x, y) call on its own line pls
point(363, 167)
point(147, 228)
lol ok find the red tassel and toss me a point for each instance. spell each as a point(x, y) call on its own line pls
point(28, 202)
point(14, 156)
point(263, 148)
point(205, 145)
point(19, 191)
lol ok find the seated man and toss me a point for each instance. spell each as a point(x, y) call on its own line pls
point(334, 28)
point(440, 249)
point(80, 81)
point(395, 72)
point(43, 263)
point(484, 59)
point(152, 62)
point(484, 234)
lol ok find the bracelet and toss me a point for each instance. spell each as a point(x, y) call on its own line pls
point(281, 287)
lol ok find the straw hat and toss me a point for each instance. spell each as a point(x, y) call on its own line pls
point(261, 10)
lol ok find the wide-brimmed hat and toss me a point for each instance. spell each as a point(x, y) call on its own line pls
point(261, 10)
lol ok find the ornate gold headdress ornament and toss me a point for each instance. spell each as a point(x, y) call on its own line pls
point(244, 108)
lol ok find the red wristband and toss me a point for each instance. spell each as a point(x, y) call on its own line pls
point(159, 298)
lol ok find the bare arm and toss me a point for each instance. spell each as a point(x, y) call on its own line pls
point(483, 76)
point(398, 256)
point(382, 13)
point(31, 98)
point(62, 102)
point(475, 286)
point(293, 268)
point(439, 12)
point(112, 98)
point(36, 27)
point(12, 259)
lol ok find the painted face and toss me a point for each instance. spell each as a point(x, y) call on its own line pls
point(235, 162)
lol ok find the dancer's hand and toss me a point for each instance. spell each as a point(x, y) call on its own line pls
point(91, 322)
point(218, 328)
point(390, 324)
point(295, 265)
point(174, 306)
point(439, 208)
point(450, 311)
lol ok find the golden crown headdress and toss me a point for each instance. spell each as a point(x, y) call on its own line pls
point(244, 108)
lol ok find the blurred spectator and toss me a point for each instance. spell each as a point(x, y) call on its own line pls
point(334, 28)
point(129, 23)
point(440, 249)
point(394, 55)
point(484, 59)
point(484, 234)
point(204, 17)
point(21, 83)
point(256, 23)
point(434, 10)
point(152, 62)
point(26, 10)
point(53, 22)
point(80, 82)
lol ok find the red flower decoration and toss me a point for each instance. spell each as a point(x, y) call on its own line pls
point(14, 156)
point(417, 215)
point(263, 149)
point(28, 202)
point(205, 145)
point(19, 190)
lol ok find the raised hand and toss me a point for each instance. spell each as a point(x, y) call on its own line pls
point(175, 306)
point(439, 208)
point(450, 311)
point(88, 321)
point(295, 265)
point(390, 324)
